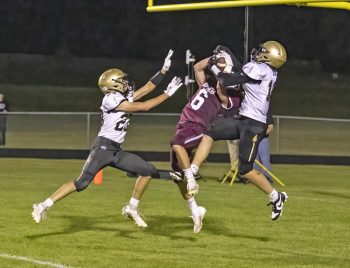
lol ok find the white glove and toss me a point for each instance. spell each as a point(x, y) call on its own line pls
point(167, 61)
point(229, 63)
point(173, 86)
point(129, 96)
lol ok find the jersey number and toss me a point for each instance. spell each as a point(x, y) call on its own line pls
point(198, 101)
point(122, 124)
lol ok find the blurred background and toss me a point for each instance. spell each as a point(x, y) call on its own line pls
point(52, 53)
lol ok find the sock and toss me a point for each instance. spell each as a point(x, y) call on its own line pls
point(273, 195)
point(47, 203)
point(188, 174)
point(194, 169)
point(134, 203)
point(192, 204)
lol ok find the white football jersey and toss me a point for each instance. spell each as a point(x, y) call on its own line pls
point(256, 101)
point(114, 123)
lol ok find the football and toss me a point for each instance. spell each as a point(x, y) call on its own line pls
point(221, 63)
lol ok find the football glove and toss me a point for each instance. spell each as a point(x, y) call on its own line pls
point(218, 49)
point(129, 96)
point(212, 65)
point(173, 86)
point(167, 61)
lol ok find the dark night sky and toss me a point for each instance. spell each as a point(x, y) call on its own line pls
point(124, 29)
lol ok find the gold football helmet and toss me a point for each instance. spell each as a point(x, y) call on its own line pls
point(272, 53)
point(113, 80)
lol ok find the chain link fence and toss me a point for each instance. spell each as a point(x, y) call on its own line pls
point(151, 132)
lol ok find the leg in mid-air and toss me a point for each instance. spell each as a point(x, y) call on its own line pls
point(223, 129)
point(263, 156)
point(97, 160)
point(133, 163)
point(251, 132)
point(183, 158)
point(131, 209)
point(180, 158)
point(202, 153)
point(187, 138)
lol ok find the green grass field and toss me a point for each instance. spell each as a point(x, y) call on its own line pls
point(88, 230)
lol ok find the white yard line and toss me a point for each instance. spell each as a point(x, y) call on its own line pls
point(25, 259)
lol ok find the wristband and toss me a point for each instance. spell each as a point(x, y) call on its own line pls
point(157, 78)
point(215, 70)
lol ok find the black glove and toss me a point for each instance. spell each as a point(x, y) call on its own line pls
point(211, 62)
point(222, 48)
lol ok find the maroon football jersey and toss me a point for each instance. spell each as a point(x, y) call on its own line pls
point(203, 107)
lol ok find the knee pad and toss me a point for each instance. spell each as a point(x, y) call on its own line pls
point(148, 170)
point(83, 181)
point(154, 172)
point(245, 167)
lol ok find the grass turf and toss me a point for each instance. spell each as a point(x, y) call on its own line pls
point(87, 229)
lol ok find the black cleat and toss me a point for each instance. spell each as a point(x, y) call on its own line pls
point(277, 205)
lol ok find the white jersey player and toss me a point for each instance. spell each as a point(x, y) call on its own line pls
point(119, 101)
point(258, 78)
point(114, 122)
point(256, 100)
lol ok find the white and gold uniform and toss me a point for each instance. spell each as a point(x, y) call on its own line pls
point(256, 101)
point(114, 123)
point(258, 80)
point(106, 149)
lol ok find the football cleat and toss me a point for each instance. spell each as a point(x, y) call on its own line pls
point(39, 212)
point(192, 187)
point(198, 177)
point(176, 176)
point(277, 205)
point(198, 217)
point(134, 215)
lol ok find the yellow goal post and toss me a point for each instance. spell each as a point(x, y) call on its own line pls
point(245, 3)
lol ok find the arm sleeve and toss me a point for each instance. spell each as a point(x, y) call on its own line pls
point(232, 79)
point(269, 119)
point(237, 65)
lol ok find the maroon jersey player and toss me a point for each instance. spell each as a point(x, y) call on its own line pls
point(196, 117)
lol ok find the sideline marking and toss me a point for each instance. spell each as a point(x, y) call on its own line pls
point(22, 258)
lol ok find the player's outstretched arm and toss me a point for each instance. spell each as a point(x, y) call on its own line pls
point(155, 80)
point(172, 87)
point(199, 72)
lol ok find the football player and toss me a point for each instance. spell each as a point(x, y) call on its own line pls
point(120, 100)
point(196, 117)
point(258, 78)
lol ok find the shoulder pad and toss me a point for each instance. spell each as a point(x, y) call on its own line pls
point(256, 71)
point(112, 100)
